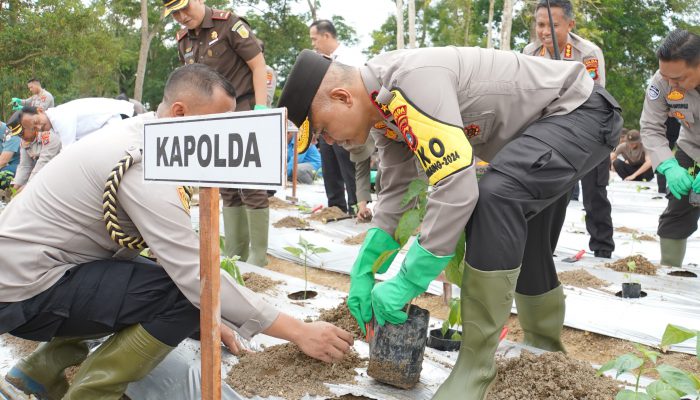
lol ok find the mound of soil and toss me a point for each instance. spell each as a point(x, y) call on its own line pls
point(259, 283)
point(581, 278)
point(552, 376)
point(278, 204)
point(625, 229)
point(341, 317)
point(357, 239)
point(291, 222)
point(285, 371)
point(327, 213)
point(649, 238)
point(19, 348)
point(644, 267)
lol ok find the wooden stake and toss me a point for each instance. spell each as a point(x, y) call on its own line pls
point(294, 169)
point(210, 301)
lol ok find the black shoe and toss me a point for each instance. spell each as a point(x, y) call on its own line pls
point(603, 253)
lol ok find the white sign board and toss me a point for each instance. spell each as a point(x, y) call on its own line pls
point(236, 150)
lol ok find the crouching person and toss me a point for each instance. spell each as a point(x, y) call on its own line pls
point(68, 276)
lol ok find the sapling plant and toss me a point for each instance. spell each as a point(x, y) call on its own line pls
point(305, 250)
point(631, 267)
point(673, 383)
point(230, 265)
point(454, 320)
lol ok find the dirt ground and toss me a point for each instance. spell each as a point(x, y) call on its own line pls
point(327, 213)
point(581, 345)
point(643, 266)
point(357, 239)
point(582, 279)
point(291, 222)
point(259, 283)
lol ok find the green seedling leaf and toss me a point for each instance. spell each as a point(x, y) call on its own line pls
point(675, 334)
point(382, 259)
point(631, 265)
point(632, 395)
point(455, 268)
point(445, 328)
point(679, 379)
point(456, 336)
point(408, 223)
point(304, 243)
point(229, 265)
point(660, 390)
point(319, 250)
point(297, 252)
point(415, 189)
point(222, 243)
point(455, 317)
point(649, 354)
point(624, 363)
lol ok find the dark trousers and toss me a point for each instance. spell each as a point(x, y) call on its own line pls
point(338, 175)
point(598, 209)
point(624, 170)
point(103, 297)
point(679, 220)
point(251, 198)
point(522, 196)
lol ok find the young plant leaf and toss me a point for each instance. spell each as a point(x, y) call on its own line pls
point(660, 390)
point(679, 379)
point(625, 363)
point(382, 259)
point(445, 328)
point(319, 250)
point(455, 268)
point(456, 336)
point(297, 252)
point(408, 223)
point(415, 189)
point(632, 395)
point(649, 354)
point(675, 334)
point(455, 317)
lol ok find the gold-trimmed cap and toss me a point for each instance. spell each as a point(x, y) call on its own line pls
point(302, 83)
point(173, 5)
point(14, 124)
point(303, 137)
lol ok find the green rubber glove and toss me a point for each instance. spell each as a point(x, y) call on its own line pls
point(678, 179)
point(260, 107)
point(376, 242)
point(696, 184)
point(419, 268)
point(16, 101)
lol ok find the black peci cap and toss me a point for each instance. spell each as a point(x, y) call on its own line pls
point(302, 84)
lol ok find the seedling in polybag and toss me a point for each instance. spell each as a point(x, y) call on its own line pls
point(305, 250)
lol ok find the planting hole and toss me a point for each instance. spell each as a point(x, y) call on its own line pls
point(619, 294)
point(303, 295)
point(683, 273)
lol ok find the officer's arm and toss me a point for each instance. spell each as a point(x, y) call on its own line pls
point(652, 122)
point(259, 68)
point(362, 180)
point(49, 150)
point(5, 158)
point(49, 102)
point(24, 168)
point(159, 215)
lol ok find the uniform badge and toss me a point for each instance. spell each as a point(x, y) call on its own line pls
point(240, 29)
point(675, 95)
point(184, 198)
point(569, 52)
point(679, 115)
point(653, 92)
point(214, 35)
point(472, 131)
point(383, 108)
point(401, 118)
point(187, 50)
point(210, 53)
point(45, 136)
point(269, 79)
point(380, 125)
point(592, 67)
point(543, 52)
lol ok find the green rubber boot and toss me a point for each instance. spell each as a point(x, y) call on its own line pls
point(542, 318)
point(258, 226)
point(672, 252)
point(236, 240)
point(42, 373)
point(126, 357)
point(487, 298)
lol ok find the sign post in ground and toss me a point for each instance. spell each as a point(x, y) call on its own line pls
point(232, 150)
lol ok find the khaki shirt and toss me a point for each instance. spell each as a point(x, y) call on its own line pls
point(57, 222)
point(35, 155)
point(576, 49)
point(361, 155)
point(270, 84)
point(226, 43)
point(633, 156)
point(43, 100)
point(446, 105)
point(660, 102)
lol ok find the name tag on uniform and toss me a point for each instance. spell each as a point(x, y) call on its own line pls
point(213, 41)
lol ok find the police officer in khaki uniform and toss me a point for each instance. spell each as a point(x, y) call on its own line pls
point(225, 42)
point(67, 275)
point(41, 98)
point(541, 124)
point(36, 150)
point(675, 90)
point(595, 194)
point(361, 156)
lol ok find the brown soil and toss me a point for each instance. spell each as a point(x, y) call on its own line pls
point(286, 371)
point(327, 213)
point(550, 376)
point(580, 345)
point(582, 279)
point(357, 239)
point(644, 267)
point(648, 238)
point(291, 222)
point(391, 373)
point(341, 317)
point(259, 283)
point(278, 204)
point(19, 348)
point(625, 229)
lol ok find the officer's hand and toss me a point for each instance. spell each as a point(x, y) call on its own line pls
point(696, 184)
point(324, 341)
point(630, 178)
point(260, 107)
point(364, 214)
point(229, 339)
point(16, 101)
point(678, 179)
point(390, 297)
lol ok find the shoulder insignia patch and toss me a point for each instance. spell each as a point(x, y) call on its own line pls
point(184, 198)
point(543, 51)
point(181, 34)
point(569, 52)
point(242, 30)
point(442, 149)
point(383, 108)
point(679, 115)
point(220, 15)
point(45, 138)
point(675, 95)
point(472, 131)
point(653, 92)
point(592, 67)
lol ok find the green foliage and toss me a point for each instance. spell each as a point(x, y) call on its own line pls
point(673, 383)
point(305, 250)
point(454, 319)
point(455, 268)
point(229, 265)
